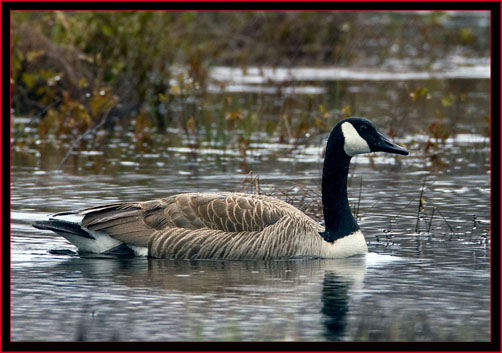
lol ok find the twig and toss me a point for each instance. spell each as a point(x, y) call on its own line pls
point(257, 185)
point(448, 224)
point(249, 181)
point(288, 127)
point(430, 223)
point(474, 225)
point(405, 207)
point(420, 205)
point(87, 132)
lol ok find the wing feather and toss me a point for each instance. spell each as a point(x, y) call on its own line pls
point(222, 217)
point(275, 241)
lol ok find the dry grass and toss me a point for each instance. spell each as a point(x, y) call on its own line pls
point(306, 198)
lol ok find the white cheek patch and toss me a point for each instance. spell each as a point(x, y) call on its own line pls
point(354, 143)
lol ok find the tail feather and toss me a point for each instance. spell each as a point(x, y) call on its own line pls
point(84, 239)
point(58, 225)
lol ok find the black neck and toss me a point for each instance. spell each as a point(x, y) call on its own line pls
point(338, 218)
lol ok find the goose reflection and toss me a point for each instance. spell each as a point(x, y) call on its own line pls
point(335, 297)
point(291, 284)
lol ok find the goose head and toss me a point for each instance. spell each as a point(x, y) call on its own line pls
point(361, 136)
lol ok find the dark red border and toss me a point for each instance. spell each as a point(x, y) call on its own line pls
point(205, 346)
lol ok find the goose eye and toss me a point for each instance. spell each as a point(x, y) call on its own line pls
point(363, 128)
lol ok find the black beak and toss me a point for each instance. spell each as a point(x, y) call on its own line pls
point(383, 144)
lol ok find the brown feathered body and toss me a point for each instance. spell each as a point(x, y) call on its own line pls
point(217, 226)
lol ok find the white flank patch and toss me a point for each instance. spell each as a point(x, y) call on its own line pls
point(100, 244)
point(139, 250)
point(354, 143)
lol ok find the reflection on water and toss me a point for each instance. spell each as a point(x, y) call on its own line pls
point(335, 305)
point(159, 299)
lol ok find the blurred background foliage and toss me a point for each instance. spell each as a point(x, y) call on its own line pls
point(108, 71)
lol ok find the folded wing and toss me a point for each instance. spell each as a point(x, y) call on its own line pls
point(134, 223)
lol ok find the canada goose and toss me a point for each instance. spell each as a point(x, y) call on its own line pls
point(233, 225)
